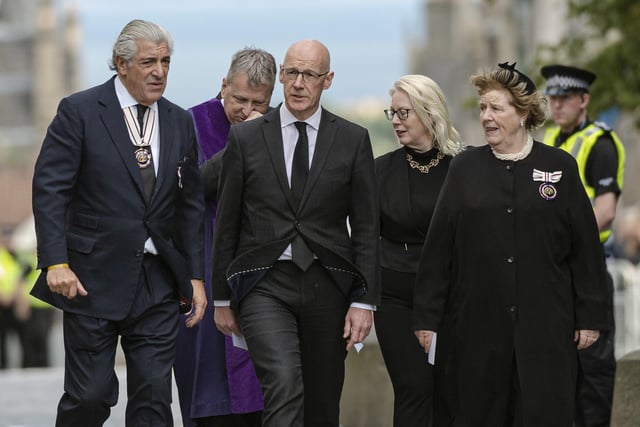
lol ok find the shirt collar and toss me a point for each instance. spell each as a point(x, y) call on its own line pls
point(287, 118)
point(125, 99)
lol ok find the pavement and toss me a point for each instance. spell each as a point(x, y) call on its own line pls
point(29, 397)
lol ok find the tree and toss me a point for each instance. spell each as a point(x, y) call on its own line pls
point(608, 44)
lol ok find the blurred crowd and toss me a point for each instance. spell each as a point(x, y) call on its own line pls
point(22, 315)
point(626, 243)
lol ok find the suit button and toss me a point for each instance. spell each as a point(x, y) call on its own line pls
point(510, 260)
point(509, 210)
point(297, 224)
point(512, 309)
point(138, 253)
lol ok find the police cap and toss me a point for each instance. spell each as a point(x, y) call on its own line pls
point(563, 79)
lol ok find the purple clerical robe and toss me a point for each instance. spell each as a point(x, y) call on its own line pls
point(212, 376)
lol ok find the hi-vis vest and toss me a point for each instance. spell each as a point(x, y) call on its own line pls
point(579, 145)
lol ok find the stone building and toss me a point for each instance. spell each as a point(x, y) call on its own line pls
point(465, 36)
point(39, 49)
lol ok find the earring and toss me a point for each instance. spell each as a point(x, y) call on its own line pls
point(521, 123)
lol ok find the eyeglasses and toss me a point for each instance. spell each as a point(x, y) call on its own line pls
point(307, 76)
point(402, 113)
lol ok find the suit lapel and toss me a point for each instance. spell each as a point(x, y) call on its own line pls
point(167, 145)
point(324, 142)
point(272, 134)
point(113, 120)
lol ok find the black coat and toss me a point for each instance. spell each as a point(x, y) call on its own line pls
point(509, 276)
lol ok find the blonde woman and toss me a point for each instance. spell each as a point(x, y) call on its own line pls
point(409, 181)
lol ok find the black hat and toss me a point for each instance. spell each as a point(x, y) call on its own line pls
point(522, 77)
point(562, 79)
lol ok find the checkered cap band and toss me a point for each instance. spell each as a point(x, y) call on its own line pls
point(566, 82)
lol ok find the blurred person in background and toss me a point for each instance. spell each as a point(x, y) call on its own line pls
point(10, 297)
point(511, 275)
point(600, 156)
point(216, 381)
point(409, 181)
point(36, 317)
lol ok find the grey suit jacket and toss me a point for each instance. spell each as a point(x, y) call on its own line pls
point(257, 217)
point(89, 204)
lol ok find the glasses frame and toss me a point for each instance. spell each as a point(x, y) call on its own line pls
point(402, 113)
point(308, 76)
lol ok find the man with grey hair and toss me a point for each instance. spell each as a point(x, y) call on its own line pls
point(118, 208)
point(217, 384)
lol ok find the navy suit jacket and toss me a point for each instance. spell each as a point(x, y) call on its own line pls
point(257, 217)
point(90, 210)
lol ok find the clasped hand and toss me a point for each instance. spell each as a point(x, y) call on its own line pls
point(585, 338)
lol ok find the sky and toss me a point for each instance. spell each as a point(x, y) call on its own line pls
point(368, 40)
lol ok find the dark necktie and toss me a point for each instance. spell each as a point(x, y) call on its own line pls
point(148, 173)
point(301, 255)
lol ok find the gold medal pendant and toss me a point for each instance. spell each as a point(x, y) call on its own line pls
point(143, 157)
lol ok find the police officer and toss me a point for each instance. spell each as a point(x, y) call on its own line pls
point(600, 157)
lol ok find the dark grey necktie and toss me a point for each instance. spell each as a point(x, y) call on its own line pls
point(148, 173)
point(301, 255)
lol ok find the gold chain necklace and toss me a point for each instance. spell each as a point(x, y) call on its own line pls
point(425, 168)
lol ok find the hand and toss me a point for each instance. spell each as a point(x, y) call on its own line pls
point(64, 281)
point(198, 303)
point(357, 325)
point(585, 338)
point(253, 115)
point(424, 338)
point(226, 321)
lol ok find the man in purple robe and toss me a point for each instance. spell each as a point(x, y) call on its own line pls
point(217, 385)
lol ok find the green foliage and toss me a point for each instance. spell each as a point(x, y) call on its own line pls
point(610, 48)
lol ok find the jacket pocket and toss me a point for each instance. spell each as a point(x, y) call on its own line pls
point(85, 221)
point(80, 244)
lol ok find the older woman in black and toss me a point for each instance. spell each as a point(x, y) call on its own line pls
point(512, 276)
point(409, 181)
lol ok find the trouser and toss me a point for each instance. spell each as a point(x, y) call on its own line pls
point(405, 359)
point(148, 340)
point(597, 376)
point(293, 322)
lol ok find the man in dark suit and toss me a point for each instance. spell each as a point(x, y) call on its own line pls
point(300, 281)
point(118, 208)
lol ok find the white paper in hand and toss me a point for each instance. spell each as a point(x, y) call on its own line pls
point(431, 357)
point(239, 341)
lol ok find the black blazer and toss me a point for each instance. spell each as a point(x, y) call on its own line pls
point(405, 212)
point(90, 209)
point(257, 219)
point(210, 174)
